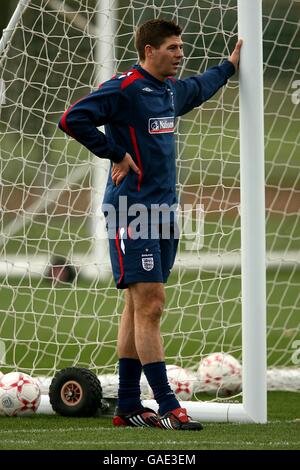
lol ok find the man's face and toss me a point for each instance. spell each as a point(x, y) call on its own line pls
point(166, 59)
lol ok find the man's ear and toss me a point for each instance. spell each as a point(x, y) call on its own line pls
point(148, 51)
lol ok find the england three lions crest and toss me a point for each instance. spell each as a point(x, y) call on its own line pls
point(148, 263)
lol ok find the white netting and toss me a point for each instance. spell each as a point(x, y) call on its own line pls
point(47, 188)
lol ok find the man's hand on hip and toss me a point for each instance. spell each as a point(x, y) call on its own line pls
point(234, 58)
point(120, 170)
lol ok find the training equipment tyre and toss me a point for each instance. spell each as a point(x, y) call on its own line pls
point(76, 392)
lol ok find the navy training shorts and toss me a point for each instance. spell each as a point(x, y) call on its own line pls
point(142, 260)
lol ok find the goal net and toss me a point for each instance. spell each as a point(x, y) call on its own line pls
point(59, 306)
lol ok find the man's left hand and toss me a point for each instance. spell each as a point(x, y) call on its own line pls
point(234, 58)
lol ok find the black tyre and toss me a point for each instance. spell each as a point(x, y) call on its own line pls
point(75, 391)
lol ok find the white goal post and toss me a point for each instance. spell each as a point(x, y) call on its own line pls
point(253, 212)
point(55, 51)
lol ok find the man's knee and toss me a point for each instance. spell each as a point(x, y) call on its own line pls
point(155, 307)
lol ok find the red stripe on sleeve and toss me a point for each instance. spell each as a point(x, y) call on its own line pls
point(63, 120)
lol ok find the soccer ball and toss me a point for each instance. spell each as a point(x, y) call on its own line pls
point(182, 381)
point(19, 394)
point(221, 374)
point(1, 375)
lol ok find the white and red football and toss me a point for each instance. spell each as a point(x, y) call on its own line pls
point(220, 374)
point(182, 381)
point(20, 394)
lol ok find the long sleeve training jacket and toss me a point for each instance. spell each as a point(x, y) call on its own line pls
point(139, 114)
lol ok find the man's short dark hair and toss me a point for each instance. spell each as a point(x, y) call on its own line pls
point(154, 33)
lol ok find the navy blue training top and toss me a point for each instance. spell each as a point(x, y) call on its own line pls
point(139, 113)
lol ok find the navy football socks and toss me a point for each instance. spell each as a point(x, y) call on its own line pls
point(129, 392)
point(156, 374)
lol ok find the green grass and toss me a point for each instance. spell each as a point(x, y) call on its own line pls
point(54, 432)
point(46, 328)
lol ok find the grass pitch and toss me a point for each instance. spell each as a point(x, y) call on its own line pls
point(54, 432)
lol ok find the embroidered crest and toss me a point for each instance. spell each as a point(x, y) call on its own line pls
point(148, 263)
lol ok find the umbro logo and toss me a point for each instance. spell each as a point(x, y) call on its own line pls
point(147, 89)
